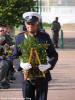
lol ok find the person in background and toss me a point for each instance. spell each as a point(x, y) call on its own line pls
point(3, 61)
point(55, 27)
point(6, 46)
point(10, 47)
point(7, 31)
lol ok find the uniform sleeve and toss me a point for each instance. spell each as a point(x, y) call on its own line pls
point(17, 51)
point(52, 54)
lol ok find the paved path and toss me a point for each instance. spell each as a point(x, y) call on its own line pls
point(62, 87)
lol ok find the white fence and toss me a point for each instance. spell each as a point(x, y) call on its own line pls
point(66, 14)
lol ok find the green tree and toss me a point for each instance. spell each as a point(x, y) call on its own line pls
point(11, 11)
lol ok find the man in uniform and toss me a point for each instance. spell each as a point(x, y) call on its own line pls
point(40, 85)
point(55, 27)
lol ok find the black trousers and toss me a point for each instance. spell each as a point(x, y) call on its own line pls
point(55, 37)
point(10, 70)
point(35, 90)
point(3, 69)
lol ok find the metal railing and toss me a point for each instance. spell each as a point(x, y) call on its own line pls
point(61, 43)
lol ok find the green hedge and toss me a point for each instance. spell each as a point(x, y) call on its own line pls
point(46, 25)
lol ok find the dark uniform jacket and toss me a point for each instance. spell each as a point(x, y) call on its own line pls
point(55, 26)
point(41, 38)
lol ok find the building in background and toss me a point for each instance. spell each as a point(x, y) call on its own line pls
point(64, 9)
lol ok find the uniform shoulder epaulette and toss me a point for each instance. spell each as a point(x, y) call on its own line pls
point(22, 33)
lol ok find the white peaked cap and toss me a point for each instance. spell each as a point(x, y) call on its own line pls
point(30, 14)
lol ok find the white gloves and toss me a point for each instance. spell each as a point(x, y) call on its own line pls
point(25, 66)
point(43, 67)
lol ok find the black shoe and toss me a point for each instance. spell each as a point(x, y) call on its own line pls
point(10, 81)
point(56, 46)
point(1, 86)
point(12, 78)
point(5, 85)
